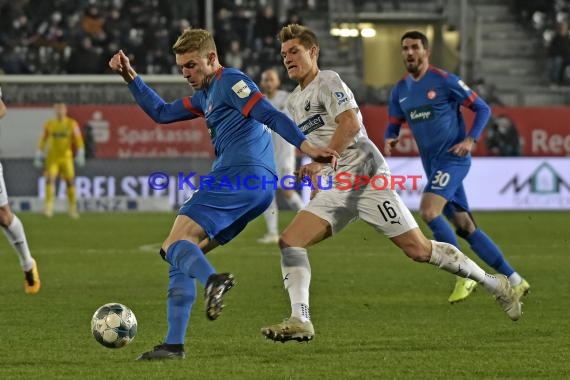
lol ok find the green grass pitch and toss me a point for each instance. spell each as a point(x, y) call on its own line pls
point(377, 314)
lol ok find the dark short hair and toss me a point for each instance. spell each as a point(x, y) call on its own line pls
point(416, 35)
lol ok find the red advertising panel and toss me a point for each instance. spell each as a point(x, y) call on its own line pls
point(542, 131)
point(125, 131)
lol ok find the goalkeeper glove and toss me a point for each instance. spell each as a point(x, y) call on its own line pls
point(39, 159)
point(80, 158)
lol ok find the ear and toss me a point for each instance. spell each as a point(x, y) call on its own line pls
point(211, 58)
point(313, 52)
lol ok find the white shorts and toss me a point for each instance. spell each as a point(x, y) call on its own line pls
point(3, 193)
point(284, 156)
point(382, 209)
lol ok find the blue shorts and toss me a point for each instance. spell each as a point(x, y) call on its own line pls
point(227, 203)
point(446, 180)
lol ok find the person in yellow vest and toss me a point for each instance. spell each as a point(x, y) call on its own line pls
point(60, 139)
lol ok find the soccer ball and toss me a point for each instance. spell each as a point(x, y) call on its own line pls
point(114, 325)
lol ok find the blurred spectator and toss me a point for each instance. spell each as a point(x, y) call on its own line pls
point(266, 25)
point(85, 60)
point(14, 61)
point(92, 23)
point(223, 34)
point(293, 17)
point(241, 25)
point(559, 54)
point(502, 138)
point(268, 55)
point(233, 57)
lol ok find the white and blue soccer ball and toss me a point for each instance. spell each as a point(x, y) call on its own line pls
point(114, 325)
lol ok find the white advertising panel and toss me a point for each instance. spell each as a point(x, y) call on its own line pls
point(539, 183)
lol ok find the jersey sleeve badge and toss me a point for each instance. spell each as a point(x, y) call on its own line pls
point(241, 89)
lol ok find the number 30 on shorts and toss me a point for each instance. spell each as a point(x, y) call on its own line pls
point(441, 179)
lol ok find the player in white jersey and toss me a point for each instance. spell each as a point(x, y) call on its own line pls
point(325, 110)
point(284, 157)
point(14, 231)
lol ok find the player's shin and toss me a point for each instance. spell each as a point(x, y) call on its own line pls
point(50, 194)
point(72, 200)
point(296, 271)
point(17, 238)
point(181, 296)
point(190, 260)
point(452, 260)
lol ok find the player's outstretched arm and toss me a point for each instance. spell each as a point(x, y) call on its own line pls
point(146, 97)
point(121, 65)
point(320, 154)
point(265, 113)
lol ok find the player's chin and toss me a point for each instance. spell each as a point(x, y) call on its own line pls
point(293, 73)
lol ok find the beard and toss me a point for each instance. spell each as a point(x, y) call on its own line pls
point(412, 67)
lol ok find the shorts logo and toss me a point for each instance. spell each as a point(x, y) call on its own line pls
point(431, 94)
point(311, 124)
point(241, 89)
point(341, 97)
point(421, 114)
point(307, 105)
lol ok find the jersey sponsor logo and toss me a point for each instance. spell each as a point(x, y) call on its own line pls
point(60, 134)
point(341, 97)
point(241, 89)
point(463, 85)
point(431, 94)
point(421, 114)
point(311, 124)
point(307, 105)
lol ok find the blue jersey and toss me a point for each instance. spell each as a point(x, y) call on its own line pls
point(238, 139)
point(432, 108)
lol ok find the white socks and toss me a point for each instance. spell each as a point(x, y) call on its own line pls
point(452, 260)
point(515, 279)
point(296, 272)
point(270, 216)
point(17, 238)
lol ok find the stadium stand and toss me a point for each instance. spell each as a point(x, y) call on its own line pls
point(506, 41)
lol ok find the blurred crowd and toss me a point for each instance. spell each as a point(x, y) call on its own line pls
point(78, 37)
point(550, 19)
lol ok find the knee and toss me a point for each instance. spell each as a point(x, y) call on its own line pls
point(181, 296)
point(464, 228)
point(5, 216)
point(428, 214)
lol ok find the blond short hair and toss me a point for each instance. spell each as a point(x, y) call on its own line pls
point(305, 35)
point(191, 40)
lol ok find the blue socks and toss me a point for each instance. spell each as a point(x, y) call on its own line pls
point(187, 263)
point(489, 252)
point(181, 296)
point(442, 231)
point(479, 242)
point(190, 260)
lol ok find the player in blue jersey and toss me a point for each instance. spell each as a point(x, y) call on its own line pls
point(235, 112)
point(429, 100)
